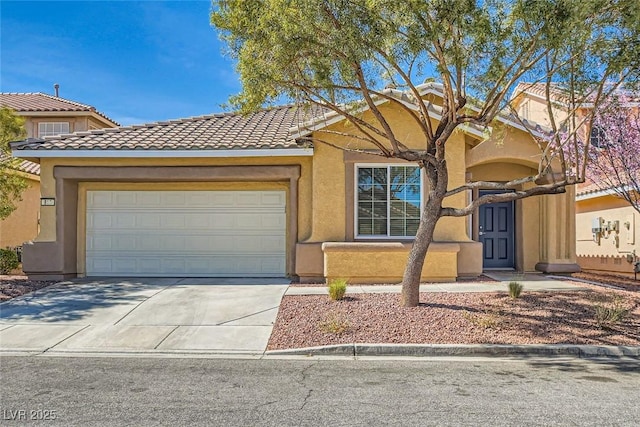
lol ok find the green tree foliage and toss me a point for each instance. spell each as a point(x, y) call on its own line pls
point(344, 54)
point(12, 183)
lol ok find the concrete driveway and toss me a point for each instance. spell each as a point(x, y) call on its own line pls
point(144, 315)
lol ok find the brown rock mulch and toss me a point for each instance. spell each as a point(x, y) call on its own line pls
point(15, 286)
point(457, 318)
point(626, 282)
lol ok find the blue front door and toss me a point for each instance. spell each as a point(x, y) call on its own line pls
point(497, 235)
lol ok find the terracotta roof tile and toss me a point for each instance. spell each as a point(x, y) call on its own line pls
point(267, 129)
point(25, 166)
point(555, 91)
point(41, 102)
point(559, 93)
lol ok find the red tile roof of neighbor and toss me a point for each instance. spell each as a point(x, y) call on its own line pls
point(555, 91)
point(559, 93)
point(587, 187)
point(266, 129)
point(29, 167)
point(26, 166)
point(41, 102)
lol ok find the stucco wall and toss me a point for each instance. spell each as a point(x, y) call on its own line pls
point(22, 225)
point(330, 170)
point(606, 256)
point(384, 262)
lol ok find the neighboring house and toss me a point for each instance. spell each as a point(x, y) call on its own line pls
point(606, 230)
point(614, 247)
point(22, 225)
point(45, 115)
point(231, 195)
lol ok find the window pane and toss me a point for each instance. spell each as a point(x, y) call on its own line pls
point(412, 209)
point(412, 227)
point(380, 227)
point(364, 176)
point(398, 209)
point(365, 192)
point(380, 176)
point(397, 227)
point(365, 209)
point(365, 227)
point(412, 175)
point(380, 210)
point(412, 192)
point(397, 174)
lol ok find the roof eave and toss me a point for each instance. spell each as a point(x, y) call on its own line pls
point(67, 153)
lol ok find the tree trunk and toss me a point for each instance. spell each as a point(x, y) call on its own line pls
point(418, 253)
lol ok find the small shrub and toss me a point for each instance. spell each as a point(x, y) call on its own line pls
point(337, 289)
point(334, 324)
point(611, 313)
point(515, 289)
point(486, 320)
point(8, 261)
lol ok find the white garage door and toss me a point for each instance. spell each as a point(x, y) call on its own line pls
point(186, 233)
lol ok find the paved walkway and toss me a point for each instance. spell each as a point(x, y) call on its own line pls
point(530, 281)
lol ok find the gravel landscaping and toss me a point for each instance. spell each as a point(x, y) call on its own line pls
point(567, 317)
point(15, 286)
point(619, 281)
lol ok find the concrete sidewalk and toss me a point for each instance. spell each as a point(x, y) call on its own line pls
point(530, 281)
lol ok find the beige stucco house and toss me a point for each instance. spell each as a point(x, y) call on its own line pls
point(230, 195)
point(606, 231)
point(45, 115)
point(612, 249)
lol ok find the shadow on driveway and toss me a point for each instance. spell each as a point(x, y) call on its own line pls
point(72, 301)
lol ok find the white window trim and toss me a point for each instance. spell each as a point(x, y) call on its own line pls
point(54, 123)
point(355, 201)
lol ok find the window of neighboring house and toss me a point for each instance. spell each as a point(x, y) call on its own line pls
point(598, 137)
point(525, 110)
point(52, 128)
point(389, 200)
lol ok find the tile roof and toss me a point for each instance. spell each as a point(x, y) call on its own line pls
point(41, 102)
point(266, 129)
point(559, 93)
point(556, 92)
point(29, 167)
point(587, 188)
point(25, 166)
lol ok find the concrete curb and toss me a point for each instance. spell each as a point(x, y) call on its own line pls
point(457, 350)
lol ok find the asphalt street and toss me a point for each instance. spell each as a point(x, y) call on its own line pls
point(120, 391)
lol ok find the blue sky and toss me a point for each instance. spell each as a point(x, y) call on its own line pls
point(135, 61)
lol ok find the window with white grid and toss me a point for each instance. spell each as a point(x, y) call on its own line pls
point(389, 201)
point(52, 128)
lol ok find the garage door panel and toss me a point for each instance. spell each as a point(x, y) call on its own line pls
point(149, 198)
point(174, 220)
point(125, 198)
point(101, 199)
point(197, 233)
point(173, 198)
